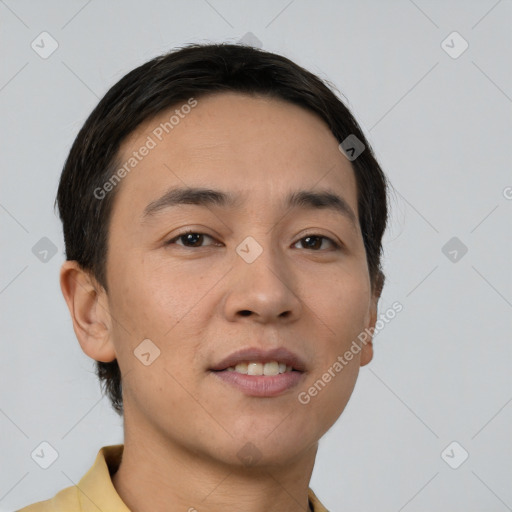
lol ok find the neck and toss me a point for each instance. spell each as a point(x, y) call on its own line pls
point(160, 475)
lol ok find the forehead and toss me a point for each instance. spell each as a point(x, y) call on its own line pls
point(255, 147)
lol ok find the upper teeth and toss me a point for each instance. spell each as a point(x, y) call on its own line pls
point(270, 368)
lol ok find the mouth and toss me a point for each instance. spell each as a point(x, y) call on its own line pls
point(261, 373)
point(257, 368)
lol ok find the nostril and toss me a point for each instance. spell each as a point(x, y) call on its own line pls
point(245, 312)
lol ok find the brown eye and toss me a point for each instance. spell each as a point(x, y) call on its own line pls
point(314, 242)
point(190, 239)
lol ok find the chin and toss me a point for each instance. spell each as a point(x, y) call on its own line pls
point(275, 443)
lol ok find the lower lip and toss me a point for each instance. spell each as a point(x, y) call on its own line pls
point(261, 385)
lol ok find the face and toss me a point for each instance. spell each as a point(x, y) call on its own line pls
point(207, 275)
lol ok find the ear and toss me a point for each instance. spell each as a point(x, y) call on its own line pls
point(367, 346)
point(88, 306)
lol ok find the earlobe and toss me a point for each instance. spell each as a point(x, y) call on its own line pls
point(366, 353)
point(89, 311)
point(367, 345)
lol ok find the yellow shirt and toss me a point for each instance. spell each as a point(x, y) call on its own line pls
point(95, 490)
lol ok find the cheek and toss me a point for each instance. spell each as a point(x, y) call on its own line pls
point(166, 305)
point(342, 306)
point(153, 304)
point(151, 296)
point(343, 311)
point(327, 393)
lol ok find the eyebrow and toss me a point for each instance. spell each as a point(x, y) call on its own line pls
point(207, 197)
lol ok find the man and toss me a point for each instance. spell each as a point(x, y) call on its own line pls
point(223, 217)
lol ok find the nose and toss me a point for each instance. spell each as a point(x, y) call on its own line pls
point(262, 290)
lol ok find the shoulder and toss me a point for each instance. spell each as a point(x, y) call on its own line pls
point(94, 492)
point(66, 500)
point(315, 503)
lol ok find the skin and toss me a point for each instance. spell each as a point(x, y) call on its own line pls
point(183, 426)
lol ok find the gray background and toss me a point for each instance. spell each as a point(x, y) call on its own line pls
point(441, 128)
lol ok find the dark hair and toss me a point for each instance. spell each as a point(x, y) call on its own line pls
point(194, 71)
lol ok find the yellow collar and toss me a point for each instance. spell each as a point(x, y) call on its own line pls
point(95, 491)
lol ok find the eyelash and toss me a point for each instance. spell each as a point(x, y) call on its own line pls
point(336, 245)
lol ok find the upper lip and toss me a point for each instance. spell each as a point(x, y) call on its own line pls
point(254, 354)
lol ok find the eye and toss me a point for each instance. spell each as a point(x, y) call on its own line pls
point(194, 239)
point(314, 242)
point(190, 239)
